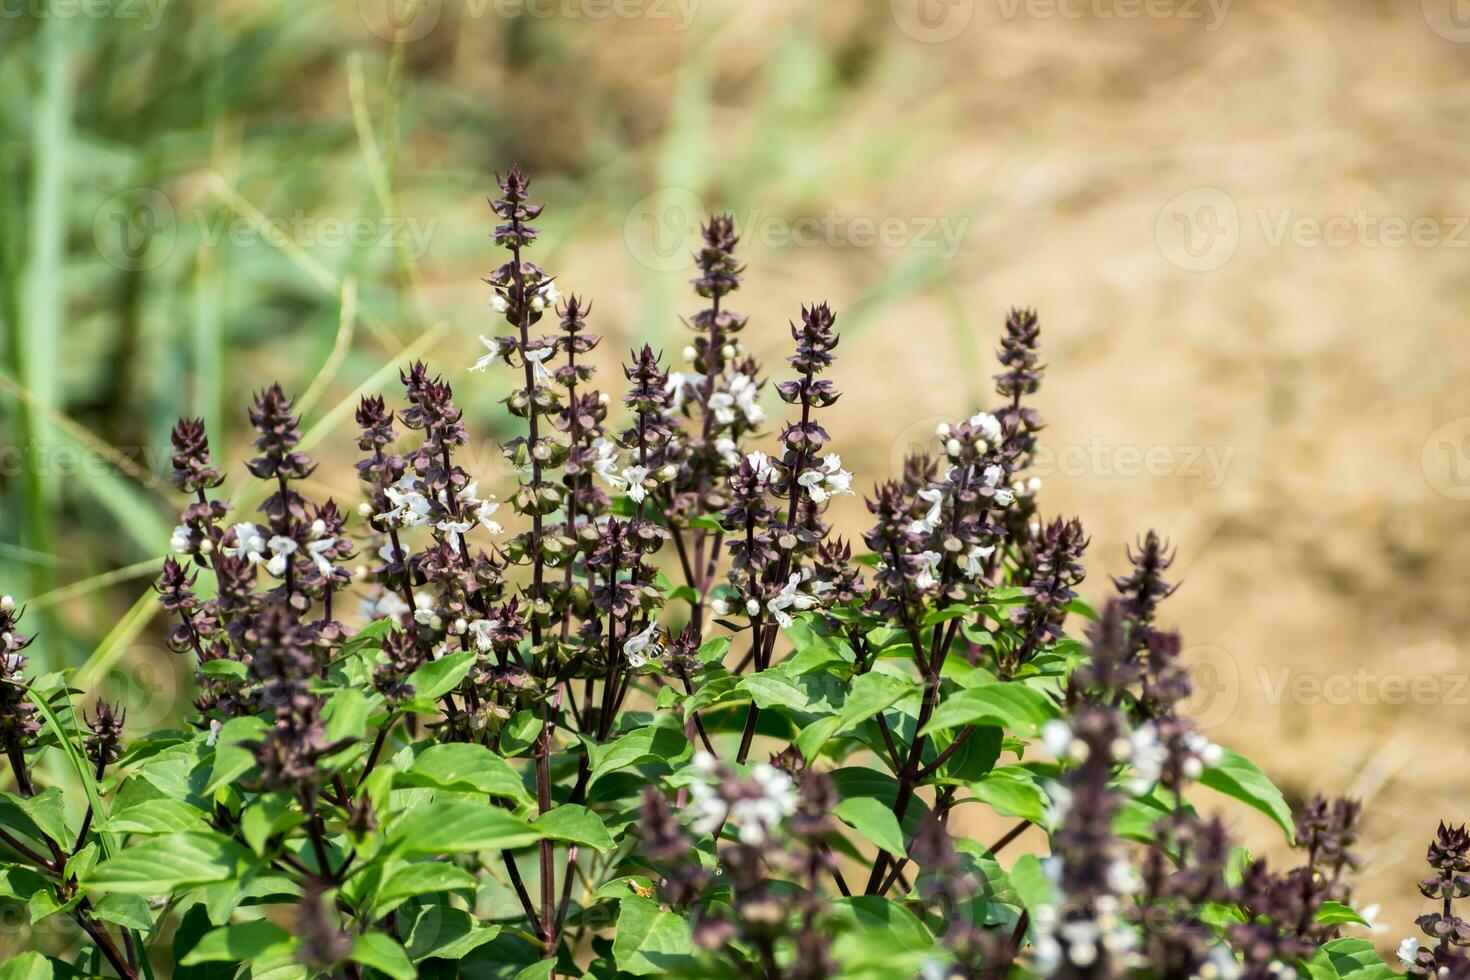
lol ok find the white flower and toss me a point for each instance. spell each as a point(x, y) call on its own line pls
point(933, 969)
point(1224, 964)
point(537, 359)
point(988, 425)
point(479, 630)
point(1056, 735)
point(1005, 497)
point(682, 384)
point(708, 807)
point(488, 359)
point(249, 543)
point(605, 462)
point(719, 607)
point(1046, 955)
point(182, 541)
point(636, 647)
point(387, 605)
point(1409, 950)
point(410, 508)
point(725, 446)
point(453, 530)
point(1059, 804)
point(485, 511)
point(425, 615)
point(826, 480)
point(760, 815)
point(282, 548)
point(789, 598)
point(928, 565)
point(498, 303)
point(1121, 877)
point(722, 405)
point(546, 295)
point(633, 477)
point(741, 397)
point(317, 551)
point(761, 463)
point(935, 498)
point(1147, 754)
point(1369, 915)
point(974, 565)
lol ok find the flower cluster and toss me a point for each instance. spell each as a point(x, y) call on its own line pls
point(442, 734)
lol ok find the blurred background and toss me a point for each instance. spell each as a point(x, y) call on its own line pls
point(1245, 224)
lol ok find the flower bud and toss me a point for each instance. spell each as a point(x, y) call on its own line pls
point(7, 604)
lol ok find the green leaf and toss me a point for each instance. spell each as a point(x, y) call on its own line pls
point(577, 824)
point(79, 765)
point(438, 677)
point(814, 737)
point(1015, 707)
point(47, 811)
point(874, 821)
point(160, 865)
point(769, 691)
point(882, 939)
point(412, 880)
point(521, 732)
point(812, 644)
point(1011, 792)
point(657, 742)
point(1239, 778)
point(446, 933)
point(26, 966)
point(378, 951)
point(128, 911)
point(161, 816)
point(1336, 914)
point(937, 616)
point(267, 815)
point(231, 758)
point(713, 650)
point(649, 940)
point(346, 714)
point(234, 670)
point(1342, 959)
point(20, 883)
point(241, 943)
point(1031, 882)
point(465, 767)
point(457, 826)
point(871, 693)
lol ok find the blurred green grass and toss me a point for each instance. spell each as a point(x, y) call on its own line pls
point(140, 156)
